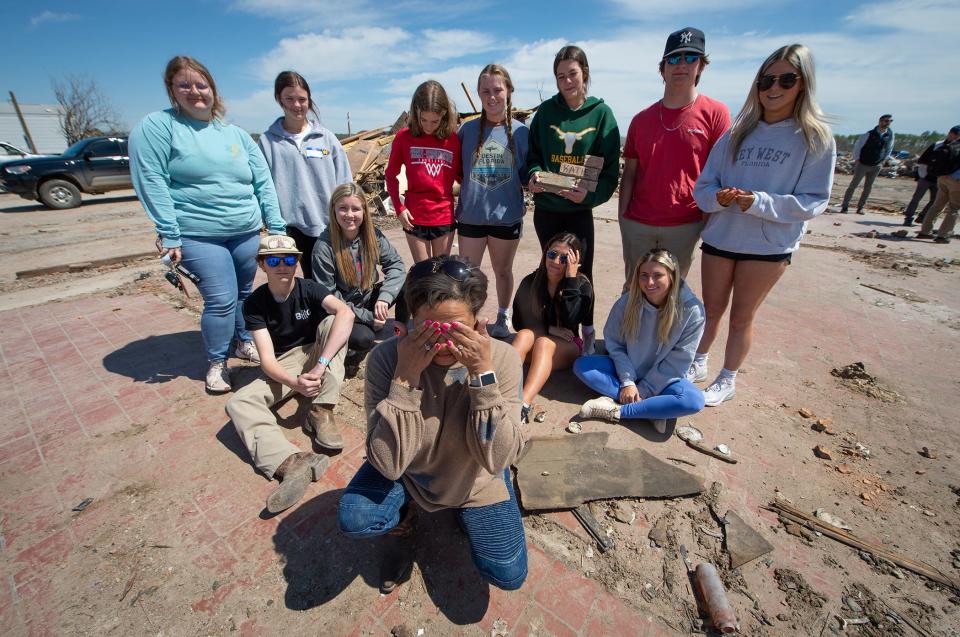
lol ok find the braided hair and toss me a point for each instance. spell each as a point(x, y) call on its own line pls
point(496, 70)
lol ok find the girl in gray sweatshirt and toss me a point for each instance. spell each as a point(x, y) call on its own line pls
point(651, 335)
point(764, 180)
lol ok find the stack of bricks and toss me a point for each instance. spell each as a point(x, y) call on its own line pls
point(572, 175)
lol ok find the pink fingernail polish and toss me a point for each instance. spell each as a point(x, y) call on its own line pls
point(435, 332)
point(450, 344)
point(437, 345)
point(455, 324)
point(445, 327)
point(426, 323)
point(436, 324)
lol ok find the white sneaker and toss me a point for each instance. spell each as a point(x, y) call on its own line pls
point(247, 351)
point(720, 390)
point(500, 328)
point(218, 378)
point(697, 372)
point(603, 408)
point(590, 345)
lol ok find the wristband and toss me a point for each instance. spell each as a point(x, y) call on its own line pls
point(323, 361)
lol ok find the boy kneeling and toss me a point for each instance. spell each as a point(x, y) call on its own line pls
point(300, 330)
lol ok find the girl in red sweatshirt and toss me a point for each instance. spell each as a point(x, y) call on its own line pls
point(429, 151)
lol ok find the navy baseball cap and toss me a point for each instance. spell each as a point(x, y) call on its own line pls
point(686, 39)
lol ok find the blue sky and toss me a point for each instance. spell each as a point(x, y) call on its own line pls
point(872, 57)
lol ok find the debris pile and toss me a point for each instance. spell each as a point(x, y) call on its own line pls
point(854, 376)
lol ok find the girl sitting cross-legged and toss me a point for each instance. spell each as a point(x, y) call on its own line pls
point(651, 335)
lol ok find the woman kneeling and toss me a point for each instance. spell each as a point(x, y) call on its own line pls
point(651, 335)
point(443, 416)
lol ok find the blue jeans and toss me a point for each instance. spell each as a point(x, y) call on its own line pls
point(679, 398)
point(370, 506)
point(226, 267)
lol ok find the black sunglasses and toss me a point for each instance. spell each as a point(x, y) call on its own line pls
point(456, 270)
point(553, 254)
point(785, 80)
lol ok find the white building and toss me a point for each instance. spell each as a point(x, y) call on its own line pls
point(43, 122)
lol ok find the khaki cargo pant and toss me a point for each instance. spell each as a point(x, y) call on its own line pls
point(948, 196)
point(249, 408)
point(640, 238)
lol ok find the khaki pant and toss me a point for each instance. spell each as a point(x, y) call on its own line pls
point(640, 238)
point(250, 407)
point(948, 195)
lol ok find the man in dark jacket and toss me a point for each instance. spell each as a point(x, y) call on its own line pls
point(869, 153)
point(926, 180)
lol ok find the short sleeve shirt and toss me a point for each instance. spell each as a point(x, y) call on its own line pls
point(671, 146)
point(292, 322)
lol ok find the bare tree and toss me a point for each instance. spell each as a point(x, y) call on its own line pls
point(84, 109)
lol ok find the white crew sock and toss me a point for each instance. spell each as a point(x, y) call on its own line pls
point(701, 358)
point(726, 373)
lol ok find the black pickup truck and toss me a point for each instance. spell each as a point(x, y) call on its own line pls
point(93, 165)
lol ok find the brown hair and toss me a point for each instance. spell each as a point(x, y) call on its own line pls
point(541, 294)
point(181, 62)
point(704, 59)
point(292, 79)
point(369, 247)
point(431, 98)
point(576, 54)
point(499, 71)
point(667, 312)
point(433, 289)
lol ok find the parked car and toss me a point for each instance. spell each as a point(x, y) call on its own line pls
point(94, 165)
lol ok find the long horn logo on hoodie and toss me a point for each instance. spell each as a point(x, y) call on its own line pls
point(568, 139)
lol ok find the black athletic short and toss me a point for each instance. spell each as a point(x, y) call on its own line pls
point(429, 233)
point(739, 256)
point(505, 233)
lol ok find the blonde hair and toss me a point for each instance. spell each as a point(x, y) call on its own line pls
point(369, 247)
point(668, 312)
point(495, 70)
point(430, 97)
point(179, 63)
point(813, 122)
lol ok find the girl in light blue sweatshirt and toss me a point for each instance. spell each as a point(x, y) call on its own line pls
point(764, 180)
point(206, 187)
point(650, 334)
point(307, 162)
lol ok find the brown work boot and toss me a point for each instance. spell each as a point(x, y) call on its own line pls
point(295, 475)
point(397, 561)
point(322, 427)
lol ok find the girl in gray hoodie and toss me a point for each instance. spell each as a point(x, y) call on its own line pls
point(764, 180)
point(650, 334)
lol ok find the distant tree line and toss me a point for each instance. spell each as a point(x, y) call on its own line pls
point(903, 141)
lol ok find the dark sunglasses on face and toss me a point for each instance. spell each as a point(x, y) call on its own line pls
point(553, 254)
point(185, 86)
point(456, 270)
point(786, 80)
point(274, 261)
point(689, 58)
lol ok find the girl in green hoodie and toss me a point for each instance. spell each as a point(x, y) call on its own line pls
point(568, 127)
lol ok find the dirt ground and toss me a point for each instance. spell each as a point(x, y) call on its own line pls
point(104, 400)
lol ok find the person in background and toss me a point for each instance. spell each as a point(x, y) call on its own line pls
point(306, 160)
point(443, 427)
point(667, 146)
point(207, 189)
point(764, 180)
point(926, 181)
point(566, 128)
point(651, 335)
point(300, 329)
point(869, 152)
point(944, 165)
point(429, 151)
point(552, 303)
point(491, 208)
point(346, 260)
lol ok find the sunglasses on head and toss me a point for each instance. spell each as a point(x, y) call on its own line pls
point(287, 259)
point(689, 58)
point(786, 80)
point(456, 270)
point(553, 254)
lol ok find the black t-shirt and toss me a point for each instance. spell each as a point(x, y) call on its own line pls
point(292, 323)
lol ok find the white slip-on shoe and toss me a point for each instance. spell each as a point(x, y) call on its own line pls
point(603, 408)
point(218, 378)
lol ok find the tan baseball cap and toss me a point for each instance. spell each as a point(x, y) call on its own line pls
point(277, 244)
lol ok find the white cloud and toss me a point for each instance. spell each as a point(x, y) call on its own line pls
point(50, 16)
point(692, 8)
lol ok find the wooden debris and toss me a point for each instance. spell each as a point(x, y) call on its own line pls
point(744, 544)
point(806, 413)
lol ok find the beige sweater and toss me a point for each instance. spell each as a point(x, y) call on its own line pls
point(448, 442)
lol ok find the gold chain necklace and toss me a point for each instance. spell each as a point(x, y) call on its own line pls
point(660, 112)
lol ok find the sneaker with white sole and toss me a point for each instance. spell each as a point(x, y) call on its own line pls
point(697, 373)
point(720, 390)
point(603, 408)
point(499, 329)
point(218, 378)
point(247, 351)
